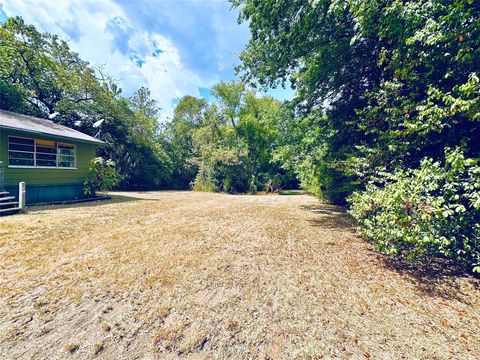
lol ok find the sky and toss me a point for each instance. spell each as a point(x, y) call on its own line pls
point(175, 48)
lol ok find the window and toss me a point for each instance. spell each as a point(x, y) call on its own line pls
point(66, 155)
point(21, 151)
point(45, 153)
point(40, 153)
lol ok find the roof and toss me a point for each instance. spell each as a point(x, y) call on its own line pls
point(36, 125)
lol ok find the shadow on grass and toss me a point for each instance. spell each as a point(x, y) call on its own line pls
point(291, 192)
point(115, 199)
point(433, 277)
point(330, 217)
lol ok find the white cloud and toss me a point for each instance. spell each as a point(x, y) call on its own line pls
point(101, 32)
point(166, 75)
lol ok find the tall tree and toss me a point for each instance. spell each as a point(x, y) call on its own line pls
point(40, 75)
point(189, 115)
point(227, 145)
point(397, 80)
point(42, 67)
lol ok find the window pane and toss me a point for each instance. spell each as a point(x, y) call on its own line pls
point(66, 151)
point(67, 164)
point(20, 147)
point(46, 153)
point(46, 143)
point(66, 157)
point(66, 161)
point(48, 163)
point(20, 155)
point(21, 162)
point(18, 140)
point(52, 157)
point(46, 150)
point(20, 151)
point(46, 146)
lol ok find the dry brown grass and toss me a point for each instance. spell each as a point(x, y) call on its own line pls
point(166, 275)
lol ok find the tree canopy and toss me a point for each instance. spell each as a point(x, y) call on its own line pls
point(383, 88)
point(228, 144)
point(40, 75)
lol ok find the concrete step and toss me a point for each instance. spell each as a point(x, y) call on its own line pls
point(7, 198)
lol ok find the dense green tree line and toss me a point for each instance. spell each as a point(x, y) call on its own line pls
point(228, 144)
point(386, 91)
point(41, 76)
point(225, 145)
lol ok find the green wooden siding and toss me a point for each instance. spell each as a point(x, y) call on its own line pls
point(51, 176)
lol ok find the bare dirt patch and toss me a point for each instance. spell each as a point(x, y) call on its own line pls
point(167, 275)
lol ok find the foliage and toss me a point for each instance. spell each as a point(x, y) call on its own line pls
point(390, 82)
point(41, 76)
point(177, 138)
point(309, 45)
point(11, 99)
point(222, 166)
point(42, 67)
point(381, 86)
point(303, 148)
point(102, 175)
point(430, 211)
point(227, 145)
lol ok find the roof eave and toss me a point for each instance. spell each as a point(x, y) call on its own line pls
point(94, 141)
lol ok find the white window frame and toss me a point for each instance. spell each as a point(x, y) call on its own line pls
point(35, 155)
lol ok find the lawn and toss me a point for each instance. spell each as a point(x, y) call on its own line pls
point(166, 275)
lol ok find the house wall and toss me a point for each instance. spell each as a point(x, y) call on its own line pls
point(44, 185)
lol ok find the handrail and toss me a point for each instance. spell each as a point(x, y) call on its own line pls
point(2, 176)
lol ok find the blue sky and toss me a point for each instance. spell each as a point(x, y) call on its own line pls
point(175, 48)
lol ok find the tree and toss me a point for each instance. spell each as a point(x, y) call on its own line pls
point(226, 145)
point(41, 76)
point(396, 81)
point(42, 67)
point(189, 115)
point(310, 45)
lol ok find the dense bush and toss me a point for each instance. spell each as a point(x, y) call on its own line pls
point(382, 88)
point(379, 85)
point(432, 211)
point(231, 178)
point(102, 175)
point(228, 144)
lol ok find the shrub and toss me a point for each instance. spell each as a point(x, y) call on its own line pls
point(432, 211)
point(273, 183)
point(203, 181)
point(102, 175)
point(231, 178)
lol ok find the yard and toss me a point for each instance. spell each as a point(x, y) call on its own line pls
point(162, 275)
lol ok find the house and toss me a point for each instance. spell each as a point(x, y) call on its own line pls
point(51, 159)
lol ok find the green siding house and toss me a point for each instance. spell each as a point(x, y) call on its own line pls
point(51, 159)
